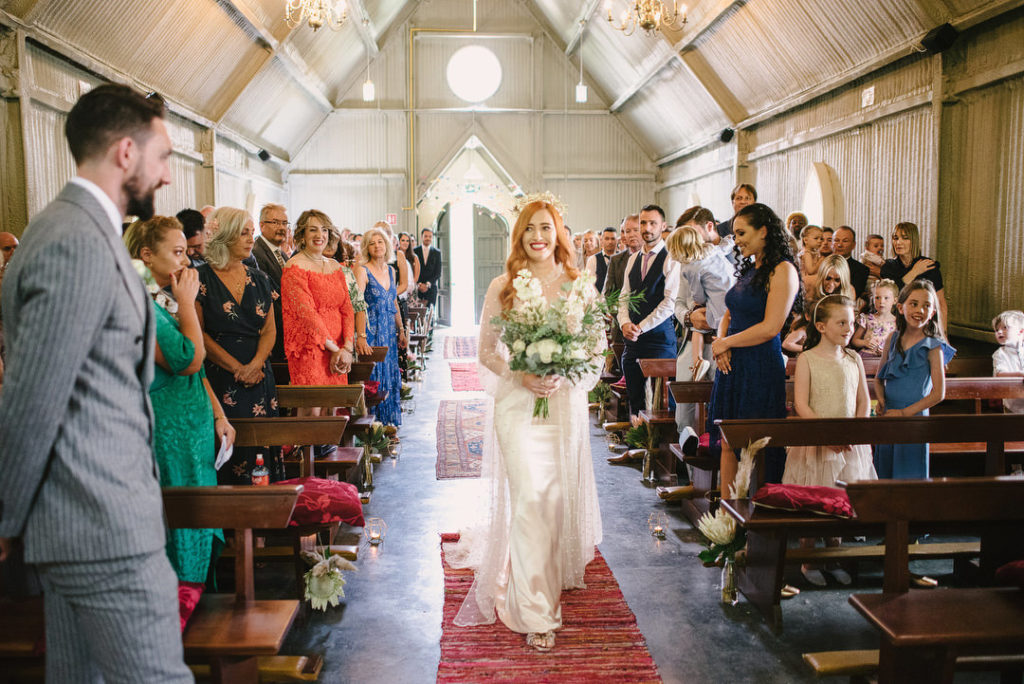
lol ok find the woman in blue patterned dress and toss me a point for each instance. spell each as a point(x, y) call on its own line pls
point(383, 321)
point(751, 377)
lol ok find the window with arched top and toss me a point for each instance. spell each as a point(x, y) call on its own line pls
point(823, 197)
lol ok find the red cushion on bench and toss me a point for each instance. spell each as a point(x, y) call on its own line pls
point(188, 598)
point(820, 500)
point(323, 501)
point(1011, 574)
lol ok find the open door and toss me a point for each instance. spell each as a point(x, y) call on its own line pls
point(442, 240)
point(490, 249)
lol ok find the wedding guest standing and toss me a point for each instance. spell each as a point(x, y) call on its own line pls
point(319, 323)
point(743, 195)
point(188, 417)
point(236, 309)
point(383, 323)
point(751, 377)
point(267, 250)
point(79, 484)
point(908, 265)
point(355, 294)
point(430, 267)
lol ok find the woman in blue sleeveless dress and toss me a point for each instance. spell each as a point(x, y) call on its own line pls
point(751, 377)
point(383, 322)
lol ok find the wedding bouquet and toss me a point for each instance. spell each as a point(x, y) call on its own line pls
point(722, 539)
point(560, 338)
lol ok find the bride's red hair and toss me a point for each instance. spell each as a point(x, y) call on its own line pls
point(517, 258)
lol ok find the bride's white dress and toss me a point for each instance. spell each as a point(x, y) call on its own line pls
point(541, 520)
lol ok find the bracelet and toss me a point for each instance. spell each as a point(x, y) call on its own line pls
point(362, 335)
point(216, 418)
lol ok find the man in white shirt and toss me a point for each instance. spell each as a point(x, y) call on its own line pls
point(647, 329)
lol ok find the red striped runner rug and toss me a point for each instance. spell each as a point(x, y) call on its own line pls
point(599, 640)
point(456, 347)
point(465, 377)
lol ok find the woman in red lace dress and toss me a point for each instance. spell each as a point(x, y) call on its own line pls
point(319, 323)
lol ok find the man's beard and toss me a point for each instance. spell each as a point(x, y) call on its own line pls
point(140, 202)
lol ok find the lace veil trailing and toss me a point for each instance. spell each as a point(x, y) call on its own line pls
point(484, 546)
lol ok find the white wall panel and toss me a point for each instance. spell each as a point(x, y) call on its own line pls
point(355, 202)
point(49, 164)
point(590, 144)
point(357, 139)
point(514, 53)
point(595, 204)
point(710, 191)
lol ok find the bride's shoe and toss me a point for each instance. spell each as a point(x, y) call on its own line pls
point(541, 641)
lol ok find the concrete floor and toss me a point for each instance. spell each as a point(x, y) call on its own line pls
point(389, 627)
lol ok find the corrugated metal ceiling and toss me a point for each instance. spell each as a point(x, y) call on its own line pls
point(221, 57)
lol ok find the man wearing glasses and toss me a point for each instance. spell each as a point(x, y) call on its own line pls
point(270, 259)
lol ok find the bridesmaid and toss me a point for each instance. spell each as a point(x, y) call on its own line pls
point(236, 306)
point(751, 377)
point(383, 322)
point(187, 415)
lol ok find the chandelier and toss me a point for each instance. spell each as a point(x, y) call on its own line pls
point(316, 13)
point(650, 15)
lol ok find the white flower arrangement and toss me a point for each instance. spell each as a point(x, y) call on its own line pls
point(560, 338)
point(324, 582)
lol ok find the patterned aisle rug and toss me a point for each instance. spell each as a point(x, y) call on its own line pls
point(460, 430)
point(456, 347)
point(599, 640)
point(465, 377)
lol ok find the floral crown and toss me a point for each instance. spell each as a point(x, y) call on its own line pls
point(546, 196)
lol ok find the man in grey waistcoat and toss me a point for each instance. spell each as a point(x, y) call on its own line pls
point(79, 482)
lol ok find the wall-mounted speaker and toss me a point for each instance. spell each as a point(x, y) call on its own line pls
point(726, 135)
point(263, 155)
point(939, 39)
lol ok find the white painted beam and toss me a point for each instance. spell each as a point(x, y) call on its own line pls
point(692, 35)
point(581, 26)
point(363, 25)
point(289, 58)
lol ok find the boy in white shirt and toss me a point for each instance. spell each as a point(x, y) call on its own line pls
point(1008, 360)
point(872, 257)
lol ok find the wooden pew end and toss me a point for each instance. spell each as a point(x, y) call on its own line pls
point(857, 665)
point(277, 669)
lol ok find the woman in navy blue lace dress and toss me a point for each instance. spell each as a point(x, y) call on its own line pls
point(383, 322)
point(751, 377)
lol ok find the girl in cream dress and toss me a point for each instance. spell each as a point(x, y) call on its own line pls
point(541, 520)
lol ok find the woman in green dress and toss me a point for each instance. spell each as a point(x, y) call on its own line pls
point(189, 419)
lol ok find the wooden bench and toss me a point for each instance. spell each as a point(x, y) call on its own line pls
point(660, 418)
point(309, 431)
point(236, 637)
point(924, 632)
point(969, 366)
point(346, 457)
point(768, 532)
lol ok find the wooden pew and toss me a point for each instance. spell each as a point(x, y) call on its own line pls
point(254, 432)
point(236, 636)
point(618, 404)
point(768, 532)
point(660, 418)
point(344, 458)
point(968, 366)
point(231, 631)
point(924, 632)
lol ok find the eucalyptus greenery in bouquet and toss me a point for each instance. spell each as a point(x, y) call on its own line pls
point(560, 338)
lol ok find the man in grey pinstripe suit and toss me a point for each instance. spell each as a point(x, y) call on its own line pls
point(79, 482)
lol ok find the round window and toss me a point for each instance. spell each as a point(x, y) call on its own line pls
point(474, 73)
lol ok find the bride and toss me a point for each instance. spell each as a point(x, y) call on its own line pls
point(542, 521)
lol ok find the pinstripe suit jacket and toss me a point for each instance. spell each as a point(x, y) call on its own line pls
point(78, 480)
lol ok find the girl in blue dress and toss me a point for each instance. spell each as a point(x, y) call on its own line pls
point(751, 377)
point(911, 376)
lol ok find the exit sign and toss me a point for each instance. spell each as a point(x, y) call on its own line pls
point(392, 219)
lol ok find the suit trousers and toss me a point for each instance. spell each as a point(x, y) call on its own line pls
point(659, 343)
point(686, 414)
point(113, 621)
